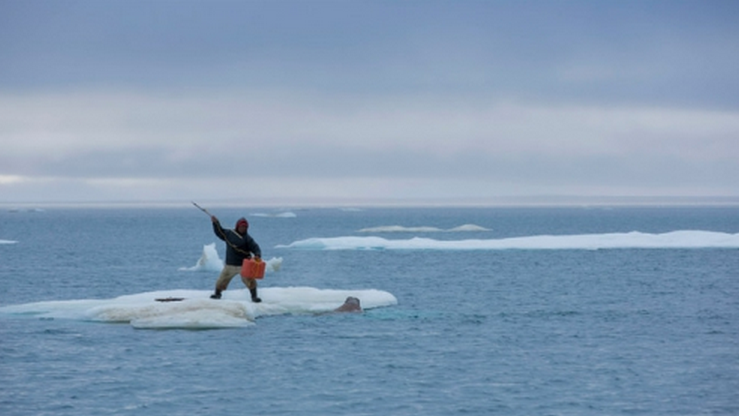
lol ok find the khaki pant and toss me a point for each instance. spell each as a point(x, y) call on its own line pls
point(228, 273)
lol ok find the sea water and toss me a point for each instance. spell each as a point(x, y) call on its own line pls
point(510, 311)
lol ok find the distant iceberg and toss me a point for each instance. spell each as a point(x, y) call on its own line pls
point(469, 227)
point(287, 214)
point(676, 239)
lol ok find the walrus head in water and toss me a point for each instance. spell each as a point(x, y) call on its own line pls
point(351, 304)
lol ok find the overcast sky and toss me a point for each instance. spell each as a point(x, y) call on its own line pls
point(360, 101)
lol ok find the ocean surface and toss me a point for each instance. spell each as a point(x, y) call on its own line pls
point(468, 311)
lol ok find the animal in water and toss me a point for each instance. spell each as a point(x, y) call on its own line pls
point(351, 304)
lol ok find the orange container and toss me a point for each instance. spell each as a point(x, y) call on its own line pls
point(252, 269)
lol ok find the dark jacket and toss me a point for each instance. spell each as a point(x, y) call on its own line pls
point(238, 247)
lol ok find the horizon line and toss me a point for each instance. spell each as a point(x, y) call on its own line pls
point(504, 201)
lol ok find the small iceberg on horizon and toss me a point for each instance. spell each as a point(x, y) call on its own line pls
point(422, 229)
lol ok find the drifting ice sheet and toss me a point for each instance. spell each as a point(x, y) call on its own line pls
point(197, 310)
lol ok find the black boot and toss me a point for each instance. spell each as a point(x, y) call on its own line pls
point(216, 295)
point(254, 297)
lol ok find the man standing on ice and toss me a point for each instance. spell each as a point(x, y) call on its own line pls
point(239, 246)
